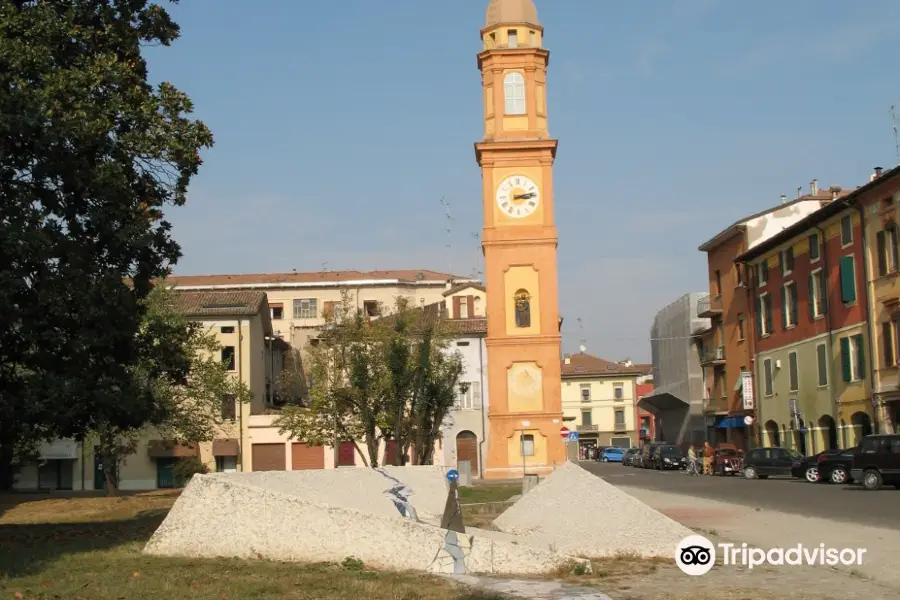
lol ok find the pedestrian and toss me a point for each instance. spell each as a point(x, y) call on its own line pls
point(692, 461)
point(708, 453)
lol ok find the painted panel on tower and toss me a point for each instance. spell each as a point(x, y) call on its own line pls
point(515, 123)
point(523, 307)
point(539, 93)
point(525, 387)
point(489, 102)
point(528, 448)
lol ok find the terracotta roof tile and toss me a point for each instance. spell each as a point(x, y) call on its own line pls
point(219, 304)
point(581, 365)
point(321, 277)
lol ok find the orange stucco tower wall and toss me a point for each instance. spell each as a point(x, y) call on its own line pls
point(519, 243)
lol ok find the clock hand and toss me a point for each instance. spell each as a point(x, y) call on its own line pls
point(523, 196)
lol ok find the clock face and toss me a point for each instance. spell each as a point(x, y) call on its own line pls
point(518, 196)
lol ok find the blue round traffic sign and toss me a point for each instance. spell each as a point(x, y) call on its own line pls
point(452, 475)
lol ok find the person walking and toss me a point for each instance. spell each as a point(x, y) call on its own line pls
point(708, 453)
point(692, 461)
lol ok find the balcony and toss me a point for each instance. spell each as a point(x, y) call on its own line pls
point(713, 356)
point(709, 307)
point(587, 428)
point(716, 405)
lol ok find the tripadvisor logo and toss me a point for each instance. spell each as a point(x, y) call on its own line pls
point(695, 555)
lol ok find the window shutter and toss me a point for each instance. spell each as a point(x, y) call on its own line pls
point(895, 241)
point(860, 355)
point(768, 303)
point(793, 297)
point(882, 252)
point(760, 308)
point(887, 338)
point(784, 304)
point(845, 359)
point(457, 302)
point(470, 300)
point(823, 301)
point(848, 283)
point(812, 298)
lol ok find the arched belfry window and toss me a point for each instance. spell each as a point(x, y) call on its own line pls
point(514, 92)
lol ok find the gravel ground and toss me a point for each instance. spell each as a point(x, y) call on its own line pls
point(575, 512)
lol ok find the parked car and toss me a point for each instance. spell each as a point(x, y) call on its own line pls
point(612, 455)
point(727, 460)
point(669, 457)
point(835, 467)
point(630, 454)
point(762, 463)
point(878, 461)
point(648, 452)
point(808, 467)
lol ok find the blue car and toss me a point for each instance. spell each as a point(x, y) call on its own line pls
point(612, 455)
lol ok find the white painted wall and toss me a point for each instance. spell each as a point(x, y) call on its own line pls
point(474, 419)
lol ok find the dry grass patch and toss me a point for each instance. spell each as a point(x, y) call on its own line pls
point(479, 494)
point(90, 549)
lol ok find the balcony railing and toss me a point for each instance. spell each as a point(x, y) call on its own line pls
point(708, 307)
point(716, 405)
point(587, 428)
point(713, 356)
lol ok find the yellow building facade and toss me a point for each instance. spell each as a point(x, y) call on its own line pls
point(599, 401)
point(519, 243)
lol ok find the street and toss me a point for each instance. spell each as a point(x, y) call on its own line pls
point(850, 504)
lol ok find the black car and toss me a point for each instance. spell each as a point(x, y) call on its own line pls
point(648, 454)
point(878, 461)
point(808, 467)
point(628, 457)
point(836, 466)
point(669, 457)
point(762, 463)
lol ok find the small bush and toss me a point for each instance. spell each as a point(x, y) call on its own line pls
point(186, 468)
point(351, 563)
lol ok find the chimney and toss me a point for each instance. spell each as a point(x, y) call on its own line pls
point(877, 173)
point(567, 359)
point(799, 192)
point(783, 199)
point(813, 187)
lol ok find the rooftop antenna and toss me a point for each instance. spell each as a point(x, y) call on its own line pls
point(324, 266)
point(896, 138)
point(449, 229)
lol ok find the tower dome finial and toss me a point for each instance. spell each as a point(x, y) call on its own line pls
point(502, 12)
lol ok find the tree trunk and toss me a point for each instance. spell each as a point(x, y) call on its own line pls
point(372, 446)
point(111, 472)
point(7, 469)
point(361, 455)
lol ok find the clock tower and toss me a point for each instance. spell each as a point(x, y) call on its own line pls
point(519, 243)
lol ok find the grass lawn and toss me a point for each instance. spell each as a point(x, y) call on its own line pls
point(488, 493)
point(89, 548)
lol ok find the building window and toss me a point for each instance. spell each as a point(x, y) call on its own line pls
point(462, 344)
point(372, 308)
point(764, 315)
point(739, 275)
point(817, 294)
point(527, 445)
point(226, 464)
point(306, 308)
point(227, 330)
point(767, 376)
point(586, 417)
point(822, 360)
point(585, 392)
point(846, 231)
point(887, 250)
point(888, 344)
point(513, 36)
point(762, 273)
point(814, 247)
point(853, 363)
point(620, 419)
point(848, 279)
point(740, 327)
point(787, 261)
point(789, 305)
point(229, 407)
point(532, 39)
point(464, 396)
point(463, 310)
point(228, 357)
point(618, 391)
point(793, 372)
point(718, 283)
point(514, 93)
point(277, 313)
point(476, 394)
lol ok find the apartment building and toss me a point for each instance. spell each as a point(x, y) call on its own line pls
point(811, 340)
point(599, 400)
point(726, 346)
point(242, 325)
point(878, 203)
point(300, 303)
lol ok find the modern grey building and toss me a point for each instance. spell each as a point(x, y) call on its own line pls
point(679, 386)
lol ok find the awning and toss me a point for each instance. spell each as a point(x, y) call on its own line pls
point(226, 447)
point(730, 423)
point(170, 449)
point(662, 402)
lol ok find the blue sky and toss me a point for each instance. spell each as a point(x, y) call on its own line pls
point(340, 125)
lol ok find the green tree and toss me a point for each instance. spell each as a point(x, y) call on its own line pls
point(187, 398)
point(90, 156)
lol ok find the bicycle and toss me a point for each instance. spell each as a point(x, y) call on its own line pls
point(692, 468)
